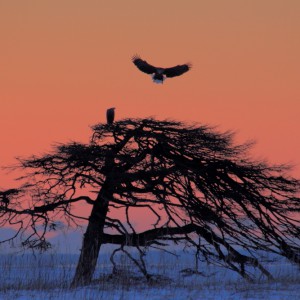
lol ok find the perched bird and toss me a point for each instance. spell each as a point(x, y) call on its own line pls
point(159, 74)
point(110, 115)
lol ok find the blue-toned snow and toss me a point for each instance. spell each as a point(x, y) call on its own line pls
point(47, 276)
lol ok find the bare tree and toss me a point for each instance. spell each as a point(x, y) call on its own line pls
point(199, 188)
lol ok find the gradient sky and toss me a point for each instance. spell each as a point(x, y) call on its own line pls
point(63, 63)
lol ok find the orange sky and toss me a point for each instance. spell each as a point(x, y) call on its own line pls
point(63, 63)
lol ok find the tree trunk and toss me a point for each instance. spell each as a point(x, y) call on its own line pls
point(92, 241)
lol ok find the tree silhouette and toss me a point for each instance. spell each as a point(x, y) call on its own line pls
point(197, 186)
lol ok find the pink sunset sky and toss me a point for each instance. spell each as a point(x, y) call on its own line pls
point(63, 63)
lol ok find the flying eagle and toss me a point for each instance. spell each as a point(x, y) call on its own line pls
point(110, 115)
point(159, 74)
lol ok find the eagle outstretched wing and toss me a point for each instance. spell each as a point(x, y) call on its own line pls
point(143, 65)
point(177, 70)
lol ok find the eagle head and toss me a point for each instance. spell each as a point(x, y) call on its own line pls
point(158, 77)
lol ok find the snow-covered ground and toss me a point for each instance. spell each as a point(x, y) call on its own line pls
point(47, 276)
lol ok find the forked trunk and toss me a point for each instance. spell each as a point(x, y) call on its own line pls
point(91, 242)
